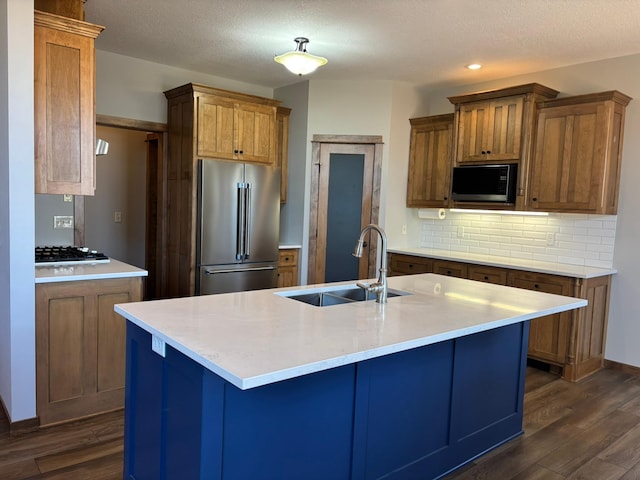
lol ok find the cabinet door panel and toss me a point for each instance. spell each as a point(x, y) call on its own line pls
point(568, 165)
point(256, 133)
point(64, 107)
point(216, 125)
point(490, 131)
point(430, 162)
point(112, 334)
point(65, 356)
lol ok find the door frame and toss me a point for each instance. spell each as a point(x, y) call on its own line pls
point(325, 145)
point(157, 134)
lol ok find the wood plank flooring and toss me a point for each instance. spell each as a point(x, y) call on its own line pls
point(587, 431)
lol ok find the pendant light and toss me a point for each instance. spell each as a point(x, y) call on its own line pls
point(299, 61)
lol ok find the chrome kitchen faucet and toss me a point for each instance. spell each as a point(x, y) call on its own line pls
point(379, 287)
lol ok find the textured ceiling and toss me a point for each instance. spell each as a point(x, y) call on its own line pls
point(426, 42)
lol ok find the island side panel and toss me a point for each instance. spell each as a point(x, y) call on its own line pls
point(173, 414)
point(403, 411)
point(488, 390)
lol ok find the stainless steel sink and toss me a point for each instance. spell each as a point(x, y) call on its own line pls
point(332, 296)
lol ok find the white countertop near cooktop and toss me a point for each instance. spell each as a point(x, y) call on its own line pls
point(87, 271)
point(259, 337)
point(575, 271)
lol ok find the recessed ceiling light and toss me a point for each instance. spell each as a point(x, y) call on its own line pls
point(474, 66)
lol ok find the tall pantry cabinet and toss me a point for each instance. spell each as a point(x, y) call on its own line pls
point(64, 102)
point(206, 122)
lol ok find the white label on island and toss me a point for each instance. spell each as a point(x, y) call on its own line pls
point(158, 345)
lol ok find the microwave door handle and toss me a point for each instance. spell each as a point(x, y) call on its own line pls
point(247, 221)
point(240, 214)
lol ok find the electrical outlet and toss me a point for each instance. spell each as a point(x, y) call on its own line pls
point(158, 345)
point(67, 198)
point(404, 229)
point(62, 221)
point(117, 217)
point(551, 239)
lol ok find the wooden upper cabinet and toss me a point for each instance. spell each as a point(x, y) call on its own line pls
point(282, 149)
point(490, 131)
point(64, 104)
point(216, 123)
point(429, 178)
point(577, 156)
point(232, 129)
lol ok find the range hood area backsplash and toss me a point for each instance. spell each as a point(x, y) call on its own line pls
point(573, 239)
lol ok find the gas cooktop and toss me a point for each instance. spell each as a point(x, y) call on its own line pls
point(52, 256)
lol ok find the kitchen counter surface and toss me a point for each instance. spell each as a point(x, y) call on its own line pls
point(575, 271)
point(87, 271)
point(259, 337)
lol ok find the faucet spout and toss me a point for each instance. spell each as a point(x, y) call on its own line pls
point(380, 286)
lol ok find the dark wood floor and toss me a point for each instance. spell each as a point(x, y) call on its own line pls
point(588, 430)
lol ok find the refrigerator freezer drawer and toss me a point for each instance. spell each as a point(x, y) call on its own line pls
point(237, 278)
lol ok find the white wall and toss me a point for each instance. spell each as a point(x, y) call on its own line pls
point(17, 299)
point(346, 108)
point(120, 186)
point(132, 88)
point(292, 213)
point(613, 74)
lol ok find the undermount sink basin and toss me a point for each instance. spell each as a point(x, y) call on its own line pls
point(336, 296)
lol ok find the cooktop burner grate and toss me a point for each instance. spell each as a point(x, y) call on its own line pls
point(68, 255)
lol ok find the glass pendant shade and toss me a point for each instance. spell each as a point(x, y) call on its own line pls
point(299, 61)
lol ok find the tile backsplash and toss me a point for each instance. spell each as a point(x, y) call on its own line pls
point(573, 239)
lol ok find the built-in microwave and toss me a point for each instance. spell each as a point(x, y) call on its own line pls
point(484, 183)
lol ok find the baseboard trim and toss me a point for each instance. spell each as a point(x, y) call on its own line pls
point(630, 369)
point(23, 426)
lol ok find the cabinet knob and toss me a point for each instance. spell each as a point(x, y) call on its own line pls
point(446, 198)
point(535, 199)
point(486, 278)
point(536, 286)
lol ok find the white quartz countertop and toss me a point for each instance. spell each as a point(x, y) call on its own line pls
point(575, 271)
point(259, 337)
point(87, 271)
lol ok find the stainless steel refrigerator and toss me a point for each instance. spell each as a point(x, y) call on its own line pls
point(238, 226)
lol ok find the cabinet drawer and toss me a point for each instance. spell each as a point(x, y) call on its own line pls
point(451, 269)
point(288, 257)
point(482, 273)
point(410, 265)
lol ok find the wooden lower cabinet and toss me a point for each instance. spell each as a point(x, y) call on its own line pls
point(288, 267)
point(483, 273)
point(451, 269)
point(80, 347)
point(548, 336)
point(572, 342)
point(408, 264)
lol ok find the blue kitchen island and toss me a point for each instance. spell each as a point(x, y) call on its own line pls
point(257, 385)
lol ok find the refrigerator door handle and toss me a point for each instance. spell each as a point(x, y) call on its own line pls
point(247, 221)
point(240, 222)
point(211, 271)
